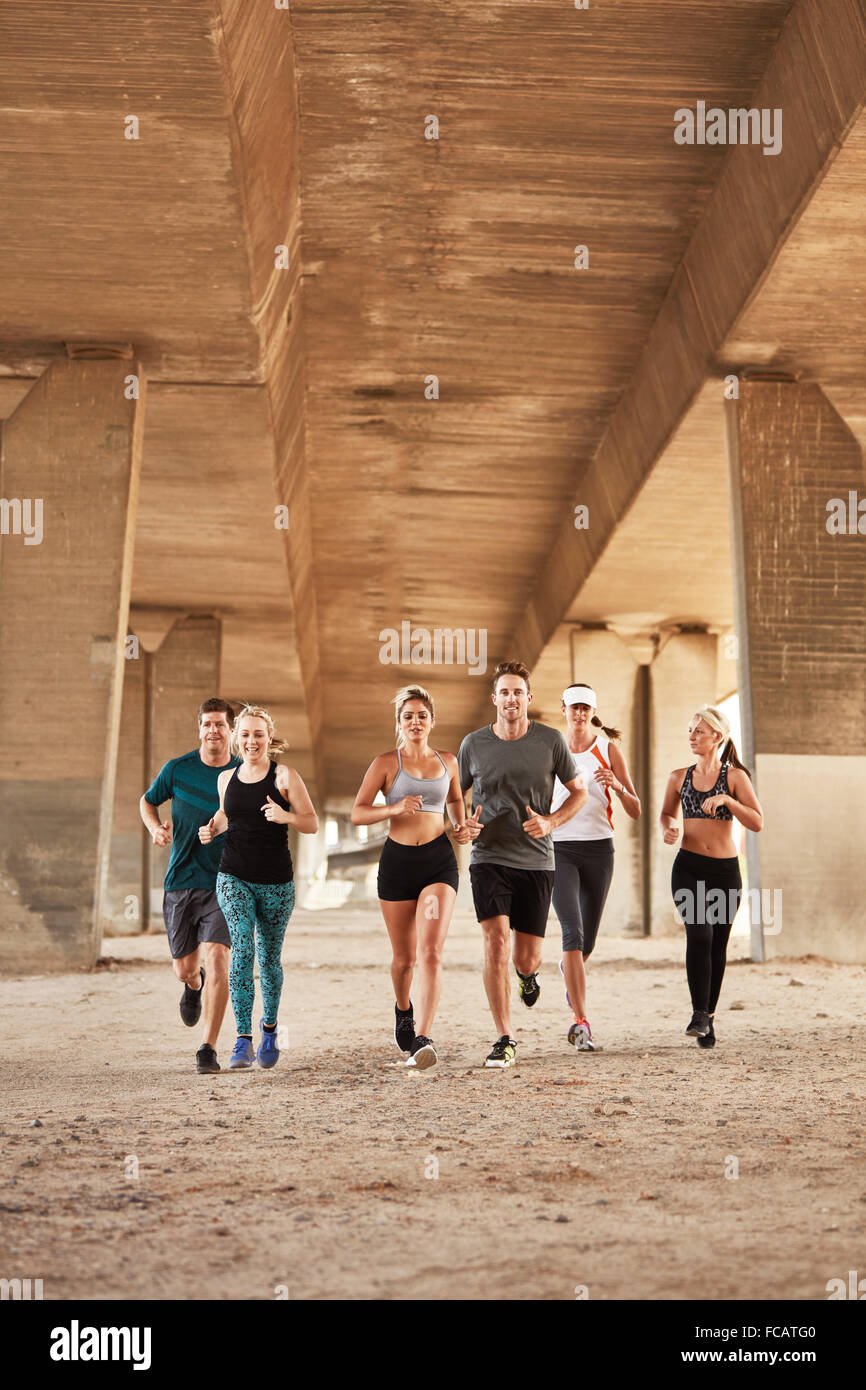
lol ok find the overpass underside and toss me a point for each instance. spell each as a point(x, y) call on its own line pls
point(321, 325)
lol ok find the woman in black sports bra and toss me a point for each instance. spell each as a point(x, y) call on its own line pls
point(705, 880)
point(418, 868)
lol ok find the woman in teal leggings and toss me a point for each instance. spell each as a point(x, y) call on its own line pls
point(255, 886)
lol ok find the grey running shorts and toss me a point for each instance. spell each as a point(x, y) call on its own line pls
point(191, 916)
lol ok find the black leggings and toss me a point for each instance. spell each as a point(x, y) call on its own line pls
point(707, 894)
point(584, 869)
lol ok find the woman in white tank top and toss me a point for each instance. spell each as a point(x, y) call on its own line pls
point(583, 846)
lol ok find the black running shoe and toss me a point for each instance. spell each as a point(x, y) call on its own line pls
point(529, 988)
point(503, 1054)
point(699, 1026)
point(709, 1040)
point(206, 1059)
point(422, 1054)
point(190, 1003)
point(404, 1028)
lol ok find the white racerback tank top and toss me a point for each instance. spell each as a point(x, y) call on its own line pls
point(595, 820)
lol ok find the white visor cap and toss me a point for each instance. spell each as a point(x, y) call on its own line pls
point(580, 695)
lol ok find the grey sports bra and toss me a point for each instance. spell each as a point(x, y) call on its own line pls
point(693, 800)
point(432, 790)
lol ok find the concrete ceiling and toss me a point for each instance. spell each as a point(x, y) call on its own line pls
point(409, 257)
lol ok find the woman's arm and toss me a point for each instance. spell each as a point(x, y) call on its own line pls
point(454, 805)
point(619, 780)
point(363, 811)
point(743, 805)
point(303, 817)
point(671, 807)
point(218, 824)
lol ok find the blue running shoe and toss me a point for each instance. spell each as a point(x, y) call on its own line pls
point(268, 1053)
point(242, 1054)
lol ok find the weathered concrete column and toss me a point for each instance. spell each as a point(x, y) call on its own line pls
point(184, 671)
point(311, 855)
point(682, 678)
point(602, 659)
point(801, 621)
point(69, 470)
point(126, 897)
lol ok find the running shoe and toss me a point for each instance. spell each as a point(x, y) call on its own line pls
point(242, 1054)
point(267, 1052)
point(404, 1028)
point(709, 1040)
point(504, 1053)
point(206, 1059)
point(190, 1003)
point(562, 973)
point(580, 1035)
point(699, 1026)
point(423, 1053)
point(529, 988)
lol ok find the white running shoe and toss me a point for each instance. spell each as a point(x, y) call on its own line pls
point(423, 1054)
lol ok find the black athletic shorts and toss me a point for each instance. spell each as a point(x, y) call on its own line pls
point(192, 915)
point(406, 870)
point(521, 895)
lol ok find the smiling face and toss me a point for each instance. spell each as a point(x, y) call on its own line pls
point(415, 721)
point(511, 698)
point(253, 737)
point(702, 739)
point(214, 732)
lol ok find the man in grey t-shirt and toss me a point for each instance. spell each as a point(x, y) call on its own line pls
point(511, 766)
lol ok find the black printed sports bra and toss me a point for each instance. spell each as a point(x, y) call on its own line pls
point(693, 800)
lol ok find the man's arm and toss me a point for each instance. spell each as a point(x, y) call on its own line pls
point(577, 799)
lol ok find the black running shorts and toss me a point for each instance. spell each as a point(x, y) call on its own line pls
point(521, 895)
point(406, 870)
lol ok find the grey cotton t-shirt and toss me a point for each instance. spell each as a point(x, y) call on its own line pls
point(506, 775)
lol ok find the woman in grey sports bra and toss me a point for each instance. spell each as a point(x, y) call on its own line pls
point(705, 878)
point(417, 870)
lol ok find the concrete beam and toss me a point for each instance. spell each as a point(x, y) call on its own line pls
point(259, 74)
point(817, 75)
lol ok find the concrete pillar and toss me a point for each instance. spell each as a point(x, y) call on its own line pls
point(308, 857)
point(603, 660)
point(125, 904)
point(800, 599)
point(184, 671)
point(682, 678)
point(72, 448)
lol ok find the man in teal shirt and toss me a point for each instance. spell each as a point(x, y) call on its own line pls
point(193, 918)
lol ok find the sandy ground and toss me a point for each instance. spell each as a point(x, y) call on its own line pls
point(342, 1175)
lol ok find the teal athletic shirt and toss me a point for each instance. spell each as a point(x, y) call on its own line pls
point(192, 786)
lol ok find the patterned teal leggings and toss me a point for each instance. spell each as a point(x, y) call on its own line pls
point(257, 912)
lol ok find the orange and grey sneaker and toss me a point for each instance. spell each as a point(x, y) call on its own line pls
point(580, 1035)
